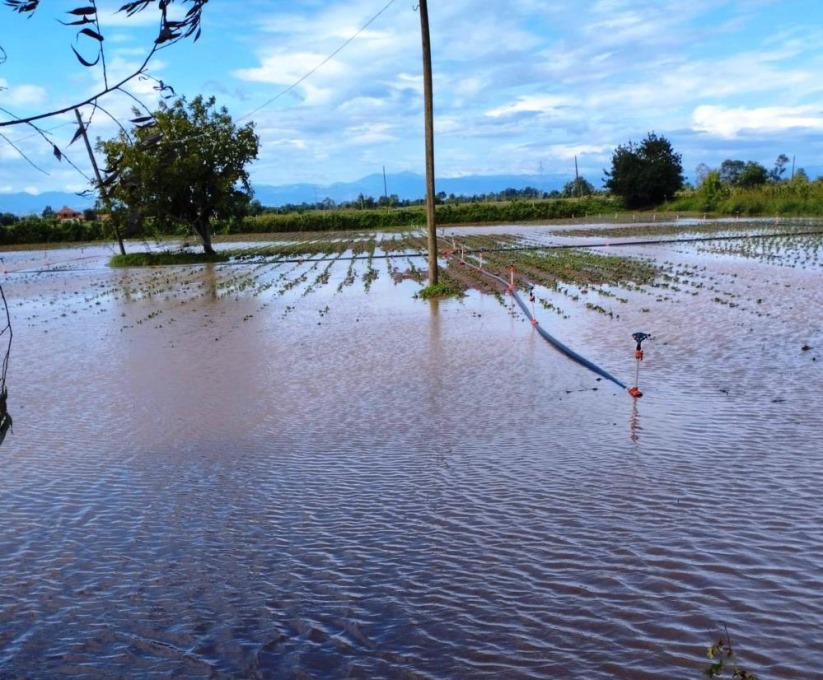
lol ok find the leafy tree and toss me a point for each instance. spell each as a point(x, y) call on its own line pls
point(89, 52)
point(779, 167)
point(754, 174)
point(730, 171)
point(712, 190)
point(390, 201)
point(365, 202)
point(700, 173)
point(579, 186)
point(645, 174)
point(185, 165)
point(800, 176)
point(48, 212)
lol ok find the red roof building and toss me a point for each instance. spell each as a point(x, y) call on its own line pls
point(66, 213)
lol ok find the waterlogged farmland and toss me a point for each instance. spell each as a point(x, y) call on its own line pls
point(287, 464)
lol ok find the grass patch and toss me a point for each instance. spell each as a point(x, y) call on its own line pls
point(582, 267)
point(439, 291)
point(165, 257)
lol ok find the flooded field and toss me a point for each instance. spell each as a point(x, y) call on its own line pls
point(293, 467)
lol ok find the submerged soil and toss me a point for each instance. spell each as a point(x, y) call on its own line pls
point(292, 467)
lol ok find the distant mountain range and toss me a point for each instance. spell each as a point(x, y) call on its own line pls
point(405, 185)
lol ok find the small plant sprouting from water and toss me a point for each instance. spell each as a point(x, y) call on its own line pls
point(724, 660)
point(438, 291)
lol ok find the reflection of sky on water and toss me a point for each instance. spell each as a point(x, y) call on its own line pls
point(231, 472)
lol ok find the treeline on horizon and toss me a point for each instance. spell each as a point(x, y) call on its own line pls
point(797, 197)
point(368, 215)
point(720, 194)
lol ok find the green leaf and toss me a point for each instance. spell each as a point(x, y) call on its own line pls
point(77, 134)
point(92, 34)
point(84, 61)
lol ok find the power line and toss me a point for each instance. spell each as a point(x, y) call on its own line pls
point(320, 65)
point(280, 94)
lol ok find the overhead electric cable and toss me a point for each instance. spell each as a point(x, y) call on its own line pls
point(320, 65)
point(299, 80)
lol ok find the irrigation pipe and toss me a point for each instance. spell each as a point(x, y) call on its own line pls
point(643, 242)
point(383, 256)
point(574, 356)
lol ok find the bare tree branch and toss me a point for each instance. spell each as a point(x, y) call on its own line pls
point(170, 31)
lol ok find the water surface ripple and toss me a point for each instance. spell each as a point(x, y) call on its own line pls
point(358, 484)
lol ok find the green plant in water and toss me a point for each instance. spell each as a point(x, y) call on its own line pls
point(724, 660)
point(440, 290)
point(166, 258)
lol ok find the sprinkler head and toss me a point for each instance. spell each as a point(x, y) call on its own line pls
point(640, 337)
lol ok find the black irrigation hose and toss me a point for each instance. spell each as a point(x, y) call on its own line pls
point(574, 356)
point(555, 246)
point(645, 242)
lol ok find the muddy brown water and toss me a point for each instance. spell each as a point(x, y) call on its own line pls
point(232, 472)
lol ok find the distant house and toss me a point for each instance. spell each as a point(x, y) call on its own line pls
point(66, 213)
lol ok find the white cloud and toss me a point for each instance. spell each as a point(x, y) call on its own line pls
point(571, 151)
point(110, 15)
point(529, 104)
point(729, 123)
point(23, 95)
point(515, 83)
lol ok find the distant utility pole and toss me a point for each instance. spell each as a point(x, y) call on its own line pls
point(576, 179)
point(542, 183)
point(429, 123)
point(385, 189)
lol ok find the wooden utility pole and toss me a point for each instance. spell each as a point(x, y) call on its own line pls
point(100, 187)
point(576, 179)
point(429, 123)
point(386, 190)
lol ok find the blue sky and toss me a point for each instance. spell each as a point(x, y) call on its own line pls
point(520, 86)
